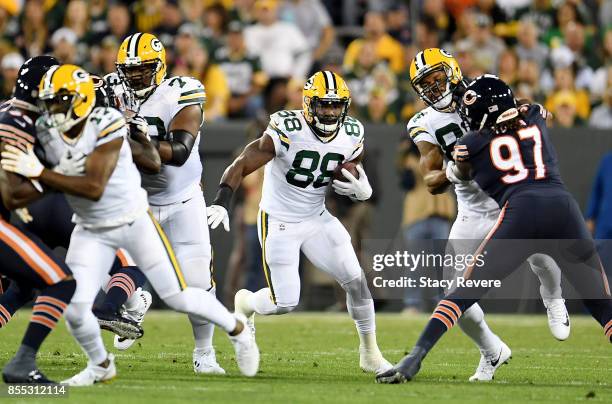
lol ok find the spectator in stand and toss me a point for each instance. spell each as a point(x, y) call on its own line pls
point(599, 211)
point(295, 97)
point(148, 14)
point(436, 16)
point(10, 65)
point(185, 40)
point(215, 23)
point(313, 20)
point(367, 73)
point(564, 83)
point(486, 48)
point(507, 67)
point(119, 22)
point(281, 46)
point(426, 35)
point(601, 117)
point(528, 85)
point(540, 12)
point(378, 109)
point(172, 19)
point(244, 11)
point(575, 44)
point(193, 11)
point(64, 42)
point(386, 48)
point(600, 77)
point(77, 19)
point(244, 75)
point(108, 55)
point(493, 10)
point(98, 25)
point(529, 47)
point(33, 36)
point(398, 23)
point(564, 106)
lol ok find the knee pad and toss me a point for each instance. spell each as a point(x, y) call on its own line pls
point(197, 272)
point(76, 314)
point(357, 292)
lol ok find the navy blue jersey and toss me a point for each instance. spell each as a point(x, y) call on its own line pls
point(17, 129)
point(506, 163)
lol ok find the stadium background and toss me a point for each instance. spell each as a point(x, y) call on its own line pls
point(254, 55)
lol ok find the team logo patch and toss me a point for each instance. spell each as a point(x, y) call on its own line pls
point(309, 84)
point(445, 53)
point(156, 45)
point(80, 76)
point(470, 97)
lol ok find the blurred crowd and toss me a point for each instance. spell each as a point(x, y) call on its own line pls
point(253, 55)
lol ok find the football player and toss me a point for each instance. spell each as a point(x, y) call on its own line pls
point(111, 211)
point(300, 150)
point(173, 110)
point(25, 258)
point(436, 77)
point(513, 160)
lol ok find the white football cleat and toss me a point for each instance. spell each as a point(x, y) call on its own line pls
point(490, 363)
point(558, 318)
point(93, 374)
point(372, 361)
point(206, 363)
point(241, 307)
point(142, 301)
point(247, 352)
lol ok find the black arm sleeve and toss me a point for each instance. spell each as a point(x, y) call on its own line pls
point(181, 142)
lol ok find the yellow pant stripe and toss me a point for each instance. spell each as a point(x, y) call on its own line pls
point(266, 269)
point(169, 251)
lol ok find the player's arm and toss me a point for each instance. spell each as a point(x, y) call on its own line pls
point(98, 168)
point(431, 164)
point(16, 190)
point(255, 155)
point(182, 134)
point(144, 153)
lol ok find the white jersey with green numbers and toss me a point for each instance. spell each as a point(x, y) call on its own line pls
point(123, 199)
point(173, 184)
point(296, 179)
point(443, 129)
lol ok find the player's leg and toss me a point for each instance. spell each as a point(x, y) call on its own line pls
point(14, 297)
point(147, 243)
point(280, 244)
point(329, 248)
point(124, 289)
point(549, 273)
point(33, 265)
point(514, 223)
point(465, 236)
point(90, 255)
point(187, 229)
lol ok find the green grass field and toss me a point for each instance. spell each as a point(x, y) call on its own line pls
point(313, 358)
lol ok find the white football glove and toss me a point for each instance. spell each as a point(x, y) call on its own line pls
point(217, 214)
point(139, 125)
point(452, 173)
point(24, 215)
point(71, 164)
point(358, 188)
point(22, 163)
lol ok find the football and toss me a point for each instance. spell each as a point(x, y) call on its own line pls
point(350, 167)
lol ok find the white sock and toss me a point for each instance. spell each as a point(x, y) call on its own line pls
point(133, 301)
point(549, 273)
point(203, 332)
point(473, 324)
point(84, 327)
point(261, 302)
point(203, 306)
point(360, 306)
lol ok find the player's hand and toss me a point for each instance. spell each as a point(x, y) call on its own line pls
point(453, 174)
point(71, 164)
point(23, 163)
point(217, 214)
point(359, 188)
point(24, 215)
point(138, 127)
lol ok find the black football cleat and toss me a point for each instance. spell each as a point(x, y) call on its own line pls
point(117, 324)
point(33, 377)
point(405, 370)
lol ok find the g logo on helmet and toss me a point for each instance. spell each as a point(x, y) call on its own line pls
point(156, 45)
point(308, 85)
point(470, 97)
point(445, 53)
point(80, 76)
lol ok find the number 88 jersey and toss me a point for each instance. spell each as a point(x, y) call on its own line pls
point(296, 179)
point(444, 129)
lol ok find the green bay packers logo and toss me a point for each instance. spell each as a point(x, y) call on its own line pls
point(156, 45)
point(309, 83)
point(445, 53)
point(80, 76)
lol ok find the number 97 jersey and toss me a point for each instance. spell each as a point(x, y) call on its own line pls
point(296, 179)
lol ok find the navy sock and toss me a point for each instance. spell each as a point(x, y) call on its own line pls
point(12, 300)
point(123, 283)
point(444, 317)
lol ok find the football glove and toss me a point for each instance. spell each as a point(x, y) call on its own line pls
point(452, 173)
point(217, 214)
point(138, 125)
point(71, 164)
point(357, 188)
point(24, 215)
point(23, 163)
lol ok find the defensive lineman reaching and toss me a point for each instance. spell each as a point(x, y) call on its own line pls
point(171, 110)
point(300, 150)
point(111, 211)
point(437, 79)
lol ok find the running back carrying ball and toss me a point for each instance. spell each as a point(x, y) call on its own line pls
point(350, 167)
